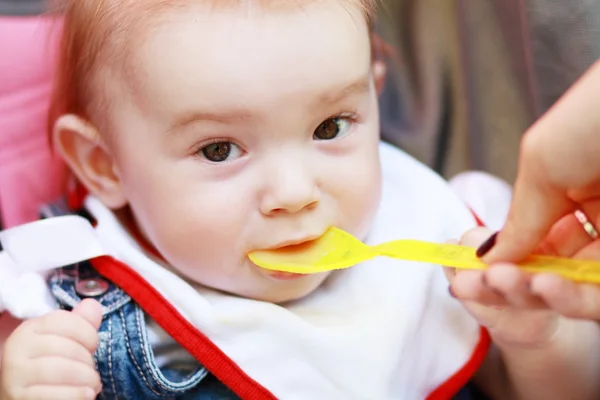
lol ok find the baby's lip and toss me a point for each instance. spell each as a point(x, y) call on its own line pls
point(283, 276)
point(296, 242)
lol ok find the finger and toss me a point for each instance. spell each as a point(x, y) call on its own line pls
point(69, 325)
point(513, 284)
point(589, 252)
point(475, 237)
point(570, 299)
point(91, 311)
point(54, 345)
point(566, 237)
point(534, 209)
point(591, 208)
point(471, 286)
point(61, 371)
point(449, 271)
point(59, 392)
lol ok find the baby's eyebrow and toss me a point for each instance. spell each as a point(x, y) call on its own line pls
point(328, 97)
point(357, 87)
point(197, 116)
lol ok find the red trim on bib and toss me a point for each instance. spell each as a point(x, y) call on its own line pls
point(449, 388)
point(477, 219)
point(184, 333)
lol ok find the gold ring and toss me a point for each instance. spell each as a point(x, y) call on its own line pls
point(589, 228)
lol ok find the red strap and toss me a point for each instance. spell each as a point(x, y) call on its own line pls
point(184, 333)
point(477, 219)
point(76, 195)
point(450, 387)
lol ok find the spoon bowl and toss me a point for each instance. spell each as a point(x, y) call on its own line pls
point(335, 249)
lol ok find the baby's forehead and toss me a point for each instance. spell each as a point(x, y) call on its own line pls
point(116, 27)
point(239, 38)
point(156, 45)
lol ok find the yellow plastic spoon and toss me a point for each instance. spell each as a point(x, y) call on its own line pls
point(337, 249)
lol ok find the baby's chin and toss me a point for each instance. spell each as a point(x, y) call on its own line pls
point(283, 289)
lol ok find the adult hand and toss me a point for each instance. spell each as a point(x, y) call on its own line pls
point(559, 173)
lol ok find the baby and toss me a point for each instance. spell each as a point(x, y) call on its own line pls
point(204, 130)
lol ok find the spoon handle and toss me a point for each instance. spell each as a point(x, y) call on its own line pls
point(464, 257)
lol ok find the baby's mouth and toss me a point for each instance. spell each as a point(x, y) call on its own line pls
point(284, 247)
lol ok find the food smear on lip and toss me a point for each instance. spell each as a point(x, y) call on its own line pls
point(297, 253)
point(310, 253)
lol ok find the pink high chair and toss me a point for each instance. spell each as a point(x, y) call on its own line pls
point(30, 174)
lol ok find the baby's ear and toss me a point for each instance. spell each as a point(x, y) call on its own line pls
point(379, 73)
point(80, 145)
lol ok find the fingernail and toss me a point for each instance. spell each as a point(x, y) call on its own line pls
point(487, 245)
point(451, 291)
point(484, 282)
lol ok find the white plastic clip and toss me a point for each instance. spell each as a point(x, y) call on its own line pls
point(34, 248)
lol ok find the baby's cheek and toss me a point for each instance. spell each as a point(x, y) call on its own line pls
point(190, 241)
point(362, 205)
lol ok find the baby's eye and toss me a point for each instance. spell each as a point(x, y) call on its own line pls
point(220, 151)
point(332, 128)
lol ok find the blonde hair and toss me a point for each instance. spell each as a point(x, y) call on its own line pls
point(96, 30)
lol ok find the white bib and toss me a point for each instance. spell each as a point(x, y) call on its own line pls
point(385, 329)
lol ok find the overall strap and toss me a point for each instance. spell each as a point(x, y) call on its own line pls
point(184, 333)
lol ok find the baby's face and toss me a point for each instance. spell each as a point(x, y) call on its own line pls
point(249, 127)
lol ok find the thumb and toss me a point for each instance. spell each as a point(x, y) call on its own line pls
point(535, 208)
point(91, 311)
point(475, 237)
